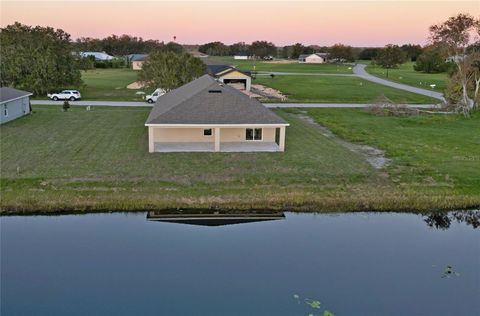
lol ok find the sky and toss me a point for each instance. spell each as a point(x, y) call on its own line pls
point(356, 23)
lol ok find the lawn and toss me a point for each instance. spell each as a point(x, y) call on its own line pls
point(337, 89)
point(407, 75)
point(295, 67)
point(98, 160)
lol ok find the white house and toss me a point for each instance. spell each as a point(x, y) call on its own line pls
point(97, 55)
point(317, 58)
point(242, 56)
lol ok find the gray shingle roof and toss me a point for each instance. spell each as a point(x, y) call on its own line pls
point(206, 101)
point(8, 94)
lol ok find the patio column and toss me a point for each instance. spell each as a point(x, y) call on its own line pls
point(217, 138)
point(282, 138)
point(151, 143)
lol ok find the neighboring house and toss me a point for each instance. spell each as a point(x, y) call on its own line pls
point(97, 55)
point(137, 60)
point(242, 56)
point(13, 104)
point(205, 116)
point(230, 75)
point(317, 58)
point(455, 58)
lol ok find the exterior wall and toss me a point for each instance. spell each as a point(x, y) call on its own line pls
point(15, 109)
point(137, 65)
point(314, 59)
point(238, 75)
point(240, 57)
point(194, 135)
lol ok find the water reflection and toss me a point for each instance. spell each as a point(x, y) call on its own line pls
point(443, 221)
point(213, 217)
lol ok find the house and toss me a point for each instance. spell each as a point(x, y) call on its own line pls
point(317, 58)
point(242, 56)
point(208, 116)
point(230, 76)
point(137, 60)
point(13, 104)
point(97, 55)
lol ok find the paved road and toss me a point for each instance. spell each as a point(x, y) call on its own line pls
point(360, 71)
point(263, 73)
point(268, 105)
point(92, 103)
point(336, 105)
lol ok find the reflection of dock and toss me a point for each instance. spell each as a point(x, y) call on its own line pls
point(213, 218)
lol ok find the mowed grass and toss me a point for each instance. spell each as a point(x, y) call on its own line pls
point(109, 84)
point(337, 89)
point(407, 75)
point(427, 151)
point(98, 160)
point(276, 66)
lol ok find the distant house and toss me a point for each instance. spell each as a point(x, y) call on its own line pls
point(317, 58)
point(231, 76)
point(101, 56)
point(207, 116)
point(137, 60)
point(13, 104)
point(242, 56)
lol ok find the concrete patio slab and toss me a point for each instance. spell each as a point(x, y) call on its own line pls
point(210, 147)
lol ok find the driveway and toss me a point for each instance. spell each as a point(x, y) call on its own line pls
point(360, 71)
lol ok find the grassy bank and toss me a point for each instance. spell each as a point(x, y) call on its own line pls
point(407, 75)
point(97, 160)
point(337, 89)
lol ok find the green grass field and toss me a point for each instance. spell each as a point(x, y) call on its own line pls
point(407, 75)
point(97, 160)
point(295, 67)
point(109, 84)
point(337, 89)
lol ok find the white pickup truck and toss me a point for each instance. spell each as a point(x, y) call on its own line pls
point(72, 95)
point(152, 98)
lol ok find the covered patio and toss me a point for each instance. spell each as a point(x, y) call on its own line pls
point(230, 147)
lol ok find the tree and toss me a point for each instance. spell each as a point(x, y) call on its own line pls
point(168, 70)
point(390, 57)
point(341, 52)
point(215, 49)
point(412, 51)
point(368, 53)
point(239, 48)
point(432, 60)
point(65, 106)
point(118, 45)
point(261, 49)
point(456, 35)
point(37, 59)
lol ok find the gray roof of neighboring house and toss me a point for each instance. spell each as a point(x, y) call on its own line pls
point(206, 101)
point(8, 94)
point(137, 57)
point(303, 56)
point(215, 70)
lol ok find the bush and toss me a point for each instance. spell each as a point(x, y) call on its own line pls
point(65, 106)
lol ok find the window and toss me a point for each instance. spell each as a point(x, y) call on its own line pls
point(207, 132)
point(5, 110)
point(253, 134)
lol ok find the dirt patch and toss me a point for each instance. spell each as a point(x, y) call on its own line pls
point(280, 61)
point(135, 85)
point(374, 156)
point(267, 92)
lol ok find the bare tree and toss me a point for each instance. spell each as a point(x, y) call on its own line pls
point(457, 34)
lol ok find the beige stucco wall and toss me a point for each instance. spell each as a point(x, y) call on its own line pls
point(137, 65)
point(165, 135)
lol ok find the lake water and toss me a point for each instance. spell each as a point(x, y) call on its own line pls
point(353, 264)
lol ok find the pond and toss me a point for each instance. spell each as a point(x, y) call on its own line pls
point(296, 264)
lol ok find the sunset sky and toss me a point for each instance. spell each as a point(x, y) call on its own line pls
point(358, 23)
